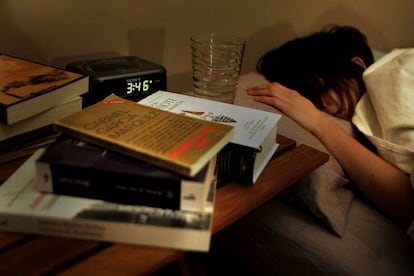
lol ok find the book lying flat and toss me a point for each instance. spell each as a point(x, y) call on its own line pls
point(182, 144)
point(28, 88)
point(254, 139)
point(39, 138)
point(24, 209)
point(72, 167)
point(42, 119)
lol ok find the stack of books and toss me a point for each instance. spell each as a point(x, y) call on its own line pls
point(141, 173)
point(32, 96)
point(121, 172)
point(23, 208)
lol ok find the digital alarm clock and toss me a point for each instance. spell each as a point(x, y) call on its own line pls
point(129, 77)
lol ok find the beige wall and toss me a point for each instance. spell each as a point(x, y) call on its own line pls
point(58, 31)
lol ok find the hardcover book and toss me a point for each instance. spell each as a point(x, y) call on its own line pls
point(179, 143)
point(28, 88)
point(254, 139)
point(24, 209)
point(72, 167)
point(42, 119)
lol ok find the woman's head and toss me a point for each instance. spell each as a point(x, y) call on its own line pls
point(329, 61)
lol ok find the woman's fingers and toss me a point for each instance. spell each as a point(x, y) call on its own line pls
point(288, 101)
point(273, 94)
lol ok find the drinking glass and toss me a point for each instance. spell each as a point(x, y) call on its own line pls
point(216, 63)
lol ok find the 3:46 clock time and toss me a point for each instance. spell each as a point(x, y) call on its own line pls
point(138, 85)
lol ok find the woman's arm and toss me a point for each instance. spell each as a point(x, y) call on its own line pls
point(385, 185)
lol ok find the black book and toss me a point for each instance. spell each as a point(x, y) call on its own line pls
point(75, 168)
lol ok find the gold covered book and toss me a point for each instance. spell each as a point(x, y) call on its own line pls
point(178, 143)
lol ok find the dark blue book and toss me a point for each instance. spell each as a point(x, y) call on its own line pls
point(75, 168)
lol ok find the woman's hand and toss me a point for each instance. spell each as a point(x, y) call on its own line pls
point(289, 102)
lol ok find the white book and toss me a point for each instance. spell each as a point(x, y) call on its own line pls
point(25, 209)
point(254, 139)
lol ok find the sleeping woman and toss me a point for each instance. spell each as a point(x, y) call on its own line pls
point(333, 71)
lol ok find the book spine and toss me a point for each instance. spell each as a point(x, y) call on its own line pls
point(139, 233)
point(118, 187)
point(3, 115)
point(236, 162)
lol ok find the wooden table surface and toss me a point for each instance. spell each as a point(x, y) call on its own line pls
point(26, 254)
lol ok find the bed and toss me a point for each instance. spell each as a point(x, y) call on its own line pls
point(320, 226)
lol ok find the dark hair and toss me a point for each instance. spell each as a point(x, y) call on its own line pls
point(313, 64)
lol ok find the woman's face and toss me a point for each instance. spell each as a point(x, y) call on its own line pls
point(336, 104)
point(332, 103)
point(340, 105)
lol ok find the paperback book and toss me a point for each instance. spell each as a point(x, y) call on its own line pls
point(28, 88)
point(179, 143)
point(254, 139)
point(24, 209)
point(72, 167)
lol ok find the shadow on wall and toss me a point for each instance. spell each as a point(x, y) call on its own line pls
point(273, 36)
point(269, 38)
point(13, 41)
point(144, 43)
point(341, 15)
point(256, 45)
point(62, 61)
point(264, 40)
